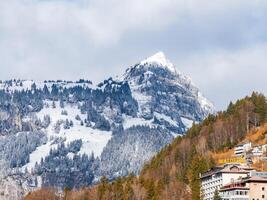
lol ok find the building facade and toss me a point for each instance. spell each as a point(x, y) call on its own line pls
point(241, 149)
point(218, 177)
point(234, 192)
point(250, 188)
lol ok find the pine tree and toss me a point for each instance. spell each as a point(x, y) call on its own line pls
point(61, 103)
point(230, 109)
point(151, 193)
point(102, 188)
point(46, 91)
point(53, 104)
point(118, 190)
point(33, 87)
point(197, 165)
point(128, 193)
point(216, 195)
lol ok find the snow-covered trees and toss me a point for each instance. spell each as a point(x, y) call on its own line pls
point(64, 112)
point(136, 145)
point(62, 170)
point(16, 148)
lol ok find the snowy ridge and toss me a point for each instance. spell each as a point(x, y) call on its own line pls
point(19, 85)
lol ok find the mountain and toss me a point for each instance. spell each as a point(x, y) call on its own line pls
point(173, 173)
point(69, 134)
point(159, 88)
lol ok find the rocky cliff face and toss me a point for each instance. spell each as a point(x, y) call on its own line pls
point(165, 94)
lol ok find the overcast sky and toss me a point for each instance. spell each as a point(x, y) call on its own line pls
point(220, 44)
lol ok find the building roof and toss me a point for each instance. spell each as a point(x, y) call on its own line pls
point(237, 185)
point(245, 142)
point(233, 188)
point(228, 168)
point(241, 184)
point(255, 179)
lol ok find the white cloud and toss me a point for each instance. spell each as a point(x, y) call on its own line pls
point(94, 39)
point(227, 75)
point(99, 21)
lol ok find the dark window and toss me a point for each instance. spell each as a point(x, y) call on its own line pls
point(262, 188)
point(262, 196)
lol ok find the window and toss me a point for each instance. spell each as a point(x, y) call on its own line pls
point(262, 196)
point(262, 188)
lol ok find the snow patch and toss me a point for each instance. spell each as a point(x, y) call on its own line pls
point(132, 121)
point(205, 104)
point(166, 118)
point(160, 60)
point(187, 122)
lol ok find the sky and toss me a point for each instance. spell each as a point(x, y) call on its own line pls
point(220, 44)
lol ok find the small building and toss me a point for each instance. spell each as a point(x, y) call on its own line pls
point(234, 191)
point(250, 188)
point(241, 149)
point(257, 151)
point(216, 178)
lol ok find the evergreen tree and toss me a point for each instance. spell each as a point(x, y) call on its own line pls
point(54, 91)
point(46, 91)
point(118, 189)
point(216, 195)
point(128, 193)
point(197, 165)
point(230, 109)
point(102, 188)
point(33, 87)
point(61, 103)
point(151, 192)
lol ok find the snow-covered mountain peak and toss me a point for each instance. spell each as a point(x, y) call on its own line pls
point(159, 59)
point(82, 131)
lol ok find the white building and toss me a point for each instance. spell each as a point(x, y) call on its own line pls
point(253, 187)
point(241, 149)
point(216, 178)
point(257, 151)
point(235, 191)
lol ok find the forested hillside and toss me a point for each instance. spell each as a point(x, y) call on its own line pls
point(173, 173)
point(68, 134)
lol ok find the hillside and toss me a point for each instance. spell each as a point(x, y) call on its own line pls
point(173, 173)
point(258, 136)
point(68, 134)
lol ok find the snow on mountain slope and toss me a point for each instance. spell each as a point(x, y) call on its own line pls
point(168, 104)
point(19, 85)
point(122, 122)
point(159, 88)
point(135, 121)
point(93, 140)
point(160, 60)
point(187, 122)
